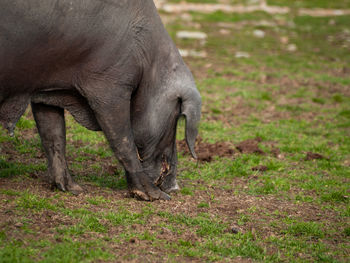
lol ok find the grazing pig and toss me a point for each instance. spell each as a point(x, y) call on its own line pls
point(113, 66)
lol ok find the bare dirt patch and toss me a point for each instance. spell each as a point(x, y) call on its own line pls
point(313, 156)
point(250, 146)
point(206, 151)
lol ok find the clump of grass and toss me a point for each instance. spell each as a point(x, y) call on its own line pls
point(25, 123)
point(10, 192)
point(115, 181)
point(98, 200)
point(70, 251)
point(203, 205)
point(347, 231)
point(338, 98)
point(319, 100)
point(124, 217)
point(335, 196)
point(34, 202)
point(308, 229)
point(11, 169)
point(2, 235)
point(186, 191)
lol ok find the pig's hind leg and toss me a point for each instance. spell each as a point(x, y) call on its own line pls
point(52, 130)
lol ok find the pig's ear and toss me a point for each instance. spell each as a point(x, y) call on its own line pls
point(191, 109)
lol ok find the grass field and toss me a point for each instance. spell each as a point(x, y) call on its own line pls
point(289, 93)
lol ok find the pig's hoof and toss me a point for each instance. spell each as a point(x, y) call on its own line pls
point(142, 187)
point(154, 192)
point(74, 188)
point(172, 189)
point(150, 195)
point(60, 186)
point(158, 195)
point(139, 194)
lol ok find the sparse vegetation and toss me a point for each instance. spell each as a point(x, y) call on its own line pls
point(296, 101)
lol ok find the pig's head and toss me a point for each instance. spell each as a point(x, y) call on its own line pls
point(166, 95)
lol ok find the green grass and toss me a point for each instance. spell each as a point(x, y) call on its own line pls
point(297, 210)
point(69, 251)
point(31, 201)
point(12, 169)
point(307, 229)
point(311, 3)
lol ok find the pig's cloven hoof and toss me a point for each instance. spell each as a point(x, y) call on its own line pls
point(71, 187)
point(172, 189)
point(142, 187)
point(74, 188)
point(159, 195)
point(150, 196)
point(139, 194)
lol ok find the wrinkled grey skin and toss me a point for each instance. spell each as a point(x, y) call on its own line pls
point(113, 66)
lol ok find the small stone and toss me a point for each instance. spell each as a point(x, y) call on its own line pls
point(224, 31)
point(331, 22)
point(338, 12)
point(191, 35)
point(259, 33)
point(235, 229)
point(276, 152)
point(280, 156)
point(18, 224)
point(192, 53)
point(186, 17)
point(292, 48)
point(284, 40)
point(313, 156)
point(242, 54)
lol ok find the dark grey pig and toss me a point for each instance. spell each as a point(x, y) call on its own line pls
point(113, 66)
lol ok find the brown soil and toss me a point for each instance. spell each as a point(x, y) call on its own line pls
point(260, 168)
point(229, 207)
point(206, 151)
point(313, 156)
point(250, 146)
